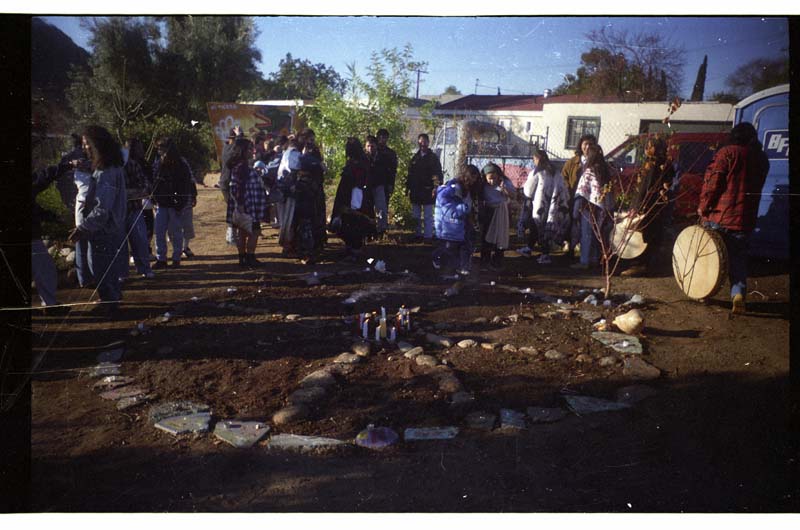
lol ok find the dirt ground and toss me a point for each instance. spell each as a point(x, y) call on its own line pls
point(718, 435)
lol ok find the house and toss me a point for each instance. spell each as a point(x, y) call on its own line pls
point(555, 123)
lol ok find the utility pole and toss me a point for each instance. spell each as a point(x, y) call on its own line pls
point(476, 86)
point(418, 70)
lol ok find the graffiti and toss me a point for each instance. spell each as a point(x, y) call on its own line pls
point(224, 126)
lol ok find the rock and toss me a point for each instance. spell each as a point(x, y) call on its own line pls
point(292, 317)
point(104, 369)
point(361, 348)
point(631, 322)
point(296, 442)
point(496, 320)
point(528, 350)
point(175, 408)
point(511, 419)
point(509, 348)
point(304, 396)
point(340, 369)
point(123, 392)
point(404, 346)
point(583, 358)
point(347, 358)
point(439, 340)
point(426, 360)
point(590, 316)
point(591, 299)
point(627, 344)
point(413, 352)
point(376, 437)
point(546, 415)
point(490, 345)
point(528, 316)
point(429, 433)
point(638, 368)
point(461, 398)
point(554, 355)
point(636, 299)
point(635, 393)
point(513, 318)
point(70, 258)
point(480, 420)
point(192, 423)
point(589, 405)
point(165, 350)
point(467, 343)
point(289, 414)
point(450, 384)
point(481, 320)
point(242, 434)
point(111, 382)
point(133, 401)
point(321, 377)
point(608, 360)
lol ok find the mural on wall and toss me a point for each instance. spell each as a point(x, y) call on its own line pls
point(251, 118)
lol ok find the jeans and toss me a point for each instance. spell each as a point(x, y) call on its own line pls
point(427, 209)
point(736, 244)
point(187, 222)
point(137, 237)
point(590, 244)
point(43, 270)
point(109, 255)
point(83, 262)
point(168, 220)
point(381, 209)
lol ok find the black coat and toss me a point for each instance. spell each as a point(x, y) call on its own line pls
point(424, 174)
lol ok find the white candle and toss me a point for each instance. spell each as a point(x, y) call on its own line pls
point(378, 333)
point(383, 313)
point(365, 329)
point(392, 334)
point(382, 328)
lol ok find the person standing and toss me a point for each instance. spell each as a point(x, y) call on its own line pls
point(572, 170)
point(225, 177)
point(729, 201)
point(376, 183)
point(424, 175)
point(138, 188)
point(453, 207)
point(172, 192)
point(388, 161)
point(187, 213)
point(43, 268)
point(248, 196)
point(548, 214)
point(104, 225)
point(594, 205)
point(352, 215)
point(493, 216)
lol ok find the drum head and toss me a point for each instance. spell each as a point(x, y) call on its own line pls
point(626, 242)
point(699, 261)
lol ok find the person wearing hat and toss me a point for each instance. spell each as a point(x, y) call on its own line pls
point(424, 175)
point(493, 215)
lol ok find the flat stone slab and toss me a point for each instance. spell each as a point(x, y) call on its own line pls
point(638, 368)
point(627, 344)
point(467, 343)
point(304, 396)
point(111, 382)
point(404, 346)
point(192, 423)
point(426, 360)
point(635, 393)
point(242, 434)
point(590, 316)
point(590, 405)
point(321, 377)
point(413, 352)
point(111, 356)
point(290, 414)
point(481, 420)
point(376, 438)
point(545, 414)
point(133, 401)
point(104, 369)
point(297, 442)
point(123, 392)
point(175, 408)
point(511, 419)
point(347, 358)
point(429, 433)
point(439, 340)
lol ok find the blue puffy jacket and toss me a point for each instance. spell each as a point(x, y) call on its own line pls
point(451, 211)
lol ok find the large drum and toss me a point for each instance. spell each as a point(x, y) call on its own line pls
point(699, 261)
point(626, 240)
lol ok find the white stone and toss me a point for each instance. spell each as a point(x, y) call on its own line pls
point(413, 352)
point(192, 423)
point(509, 348)
point(242, 434)
point(347, 358)
point(298, 442)
point(467, 343)
point(426, 360)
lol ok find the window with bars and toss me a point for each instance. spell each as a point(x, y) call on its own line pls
point(577, 126)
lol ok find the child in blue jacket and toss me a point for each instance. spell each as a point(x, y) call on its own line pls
point(451, 222)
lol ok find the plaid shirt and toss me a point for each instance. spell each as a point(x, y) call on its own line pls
point(247, 191)
point(732, 187)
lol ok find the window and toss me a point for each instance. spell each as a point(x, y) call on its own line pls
point(577, 127)
point(528, 127)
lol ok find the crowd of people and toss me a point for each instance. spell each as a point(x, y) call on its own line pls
point(279, 180)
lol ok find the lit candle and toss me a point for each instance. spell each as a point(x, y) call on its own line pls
point(392, 334)
point(382, 328)
point(378, 333)
point(365, 329)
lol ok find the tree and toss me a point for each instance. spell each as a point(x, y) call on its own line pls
point(366, 106)
point(700, 81)
point(725, 97)
point(758, 74)
point(300, 79)
point(633, 67)
point(451, 90)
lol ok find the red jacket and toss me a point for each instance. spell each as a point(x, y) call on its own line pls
point(732, 187)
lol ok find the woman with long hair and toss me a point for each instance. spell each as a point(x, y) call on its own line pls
point(172, 192)
point(547, 216)
point(249, 197)
point(594, 204)
point(571, 172)
point(104, 224)
point(353, 215)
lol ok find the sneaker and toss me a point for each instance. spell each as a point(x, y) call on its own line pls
point(149, 275)
point(737, 307)
point(544, 259)
point(525, 251)
point(160, 265)
point(187, 252)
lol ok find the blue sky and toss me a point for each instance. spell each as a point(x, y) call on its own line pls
point(518, 54)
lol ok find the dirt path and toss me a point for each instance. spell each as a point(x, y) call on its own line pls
point(716, 436)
